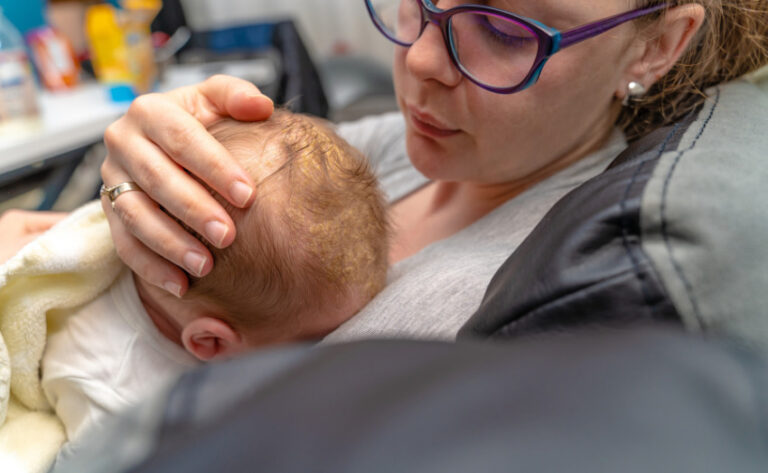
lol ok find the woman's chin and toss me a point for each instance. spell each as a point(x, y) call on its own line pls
point(431, 159)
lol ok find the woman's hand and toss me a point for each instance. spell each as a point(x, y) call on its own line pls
point(19, 227)
point(158, 143)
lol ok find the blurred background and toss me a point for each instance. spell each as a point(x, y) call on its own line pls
point(68, 68)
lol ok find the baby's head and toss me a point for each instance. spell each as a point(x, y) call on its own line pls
point(312, 249)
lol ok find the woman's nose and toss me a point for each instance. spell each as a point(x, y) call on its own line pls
point(428, 58)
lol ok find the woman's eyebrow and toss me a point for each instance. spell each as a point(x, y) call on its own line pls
point(528, 8)
point(561, 16)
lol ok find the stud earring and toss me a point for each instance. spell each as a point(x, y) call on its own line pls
point(635, 90)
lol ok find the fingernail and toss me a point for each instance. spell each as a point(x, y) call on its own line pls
point(194, 262)
point(241, 193)
point(216, 232)
point(260, 96)
point(173, 288)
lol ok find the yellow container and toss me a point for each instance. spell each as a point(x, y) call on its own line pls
point(121, 47)
point(137, 16)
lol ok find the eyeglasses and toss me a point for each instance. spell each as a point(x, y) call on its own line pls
point(497, 50)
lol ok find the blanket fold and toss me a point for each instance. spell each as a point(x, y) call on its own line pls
point(64, 268)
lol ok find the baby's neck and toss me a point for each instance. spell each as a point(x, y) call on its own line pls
point(159, 306)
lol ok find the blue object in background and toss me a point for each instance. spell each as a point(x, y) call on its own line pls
point(121, 93)
point(247, 38)
point(24, 14)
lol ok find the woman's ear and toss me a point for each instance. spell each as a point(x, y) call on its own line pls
point(669, 39)
point(208, 338)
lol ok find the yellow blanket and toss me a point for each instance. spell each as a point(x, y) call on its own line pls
point(67, 266)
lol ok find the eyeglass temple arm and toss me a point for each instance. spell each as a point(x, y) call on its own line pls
point(590, 30)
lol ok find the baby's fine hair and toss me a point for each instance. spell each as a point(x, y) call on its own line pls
point(316, 234)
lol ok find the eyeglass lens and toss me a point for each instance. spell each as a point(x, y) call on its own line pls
point(494, 50)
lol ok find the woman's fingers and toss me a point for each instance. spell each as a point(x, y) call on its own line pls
point(224, 96)
point(159, 139)
point(142, 232)
point(179, 193)
point(142, 261)
point(190, 145)
point(142, 217)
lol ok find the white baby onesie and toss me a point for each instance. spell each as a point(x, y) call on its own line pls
point(107, 356)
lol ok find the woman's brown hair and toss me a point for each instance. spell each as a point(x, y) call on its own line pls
point(732, 42)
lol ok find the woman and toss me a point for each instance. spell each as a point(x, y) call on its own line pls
point(493, 147)
point(20, 227)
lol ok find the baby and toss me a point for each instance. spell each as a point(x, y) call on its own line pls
point(310, 252)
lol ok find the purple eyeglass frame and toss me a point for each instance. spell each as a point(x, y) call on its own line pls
point(551, 40)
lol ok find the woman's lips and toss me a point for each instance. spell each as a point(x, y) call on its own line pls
point(426, 124)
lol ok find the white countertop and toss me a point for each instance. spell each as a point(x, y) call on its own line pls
point(76, 118)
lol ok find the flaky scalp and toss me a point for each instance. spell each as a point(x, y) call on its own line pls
point(316, 233)
point(732, 42)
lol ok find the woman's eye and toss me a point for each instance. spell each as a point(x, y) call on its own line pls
point(502, 31)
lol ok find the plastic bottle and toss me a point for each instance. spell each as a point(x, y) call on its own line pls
point(106, 41)
point(18, 95)
point(54, 58)
point(121, 46)
point(137, 16)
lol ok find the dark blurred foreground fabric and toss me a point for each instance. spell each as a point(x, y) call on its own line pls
point(636, 400)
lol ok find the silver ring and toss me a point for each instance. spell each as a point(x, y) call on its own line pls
point(113, 192)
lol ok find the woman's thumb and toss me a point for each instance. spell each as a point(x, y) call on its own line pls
point(237, 98)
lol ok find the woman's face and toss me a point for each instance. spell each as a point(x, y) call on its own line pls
point(457, 131)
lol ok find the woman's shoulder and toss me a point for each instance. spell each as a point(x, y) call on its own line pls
point(375, 135)
point(704, 217)
point(674, 230)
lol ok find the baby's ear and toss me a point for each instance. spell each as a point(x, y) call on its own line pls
point(208, 338)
